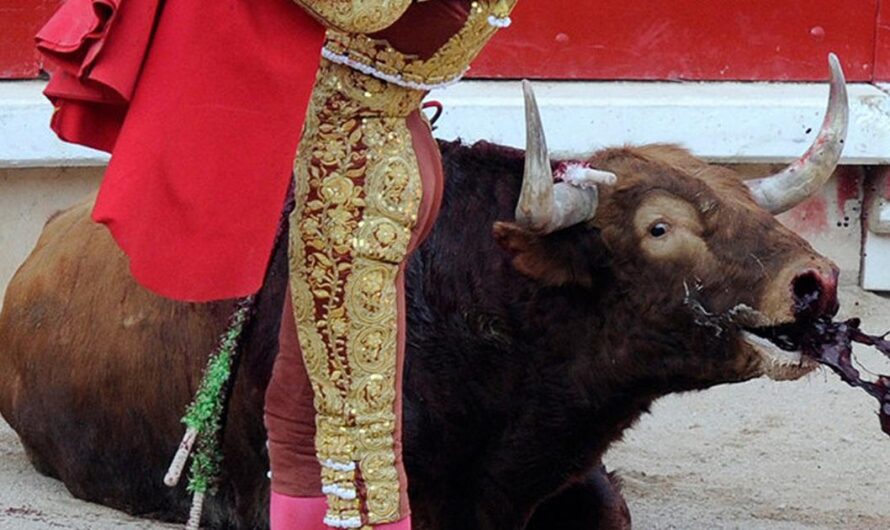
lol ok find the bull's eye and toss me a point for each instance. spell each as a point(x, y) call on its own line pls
point(659, 229)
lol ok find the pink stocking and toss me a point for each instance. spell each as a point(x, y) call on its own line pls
point(297, 513)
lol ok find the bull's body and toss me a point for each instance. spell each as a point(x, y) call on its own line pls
point(500, 414)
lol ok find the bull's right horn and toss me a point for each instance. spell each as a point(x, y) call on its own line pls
point(543, 206)
point(803, 178)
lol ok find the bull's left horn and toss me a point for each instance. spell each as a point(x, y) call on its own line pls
point(544, 207)
point(535, 207)
point(803, 178)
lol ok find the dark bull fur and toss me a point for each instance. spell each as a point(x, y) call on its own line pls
point(527, 355)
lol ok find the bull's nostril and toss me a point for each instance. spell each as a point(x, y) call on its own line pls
point(807, 289)
point(815, 293)
point(806, 284)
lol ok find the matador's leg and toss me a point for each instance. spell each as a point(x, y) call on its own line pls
point(296, 498)
point(359, 188)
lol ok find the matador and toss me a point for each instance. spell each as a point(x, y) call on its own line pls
point(201, 105)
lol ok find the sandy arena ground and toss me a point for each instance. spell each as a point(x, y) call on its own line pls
point(761, 455)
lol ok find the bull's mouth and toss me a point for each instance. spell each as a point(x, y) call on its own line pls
point(779, 350)
point(775, 344)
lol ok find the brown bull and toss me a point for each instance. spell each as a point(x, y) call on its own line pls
point(528, 354)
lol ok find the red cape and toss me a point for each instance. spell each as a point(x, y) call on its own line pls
point(202, 105)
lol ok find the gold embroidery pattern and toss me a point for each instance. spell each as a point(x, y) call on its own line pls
point(447, 64)
point(358, 191)
point(359, 16)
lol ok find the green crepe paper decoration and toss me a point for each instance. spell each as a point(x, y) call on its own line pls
point(205, 413)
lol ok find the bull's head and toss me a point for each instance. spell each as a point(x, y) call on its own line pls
point(684, 248)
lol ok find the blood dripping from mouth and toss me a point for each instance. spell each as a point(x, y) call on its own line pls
point(831, 343)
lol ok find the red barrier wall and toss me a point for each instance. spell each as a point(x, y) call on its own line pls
point(784, 40)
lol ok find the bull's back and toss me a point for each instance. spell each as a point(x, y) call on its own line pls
point(95, 370)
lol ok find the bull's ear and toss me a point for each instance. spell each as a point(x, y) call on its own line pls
point(554, 259)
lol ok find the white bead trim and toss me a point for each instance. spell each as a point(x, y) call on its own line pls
point(337, 466)
point(336, 522)
point(348, 494)
point(499, 22)
point(383, 76)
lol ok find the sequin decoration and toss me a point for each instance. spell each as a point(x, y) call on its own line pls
point(359, 16)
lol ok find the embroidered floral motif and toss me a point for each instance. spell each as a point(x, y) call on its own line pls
point(360, 16)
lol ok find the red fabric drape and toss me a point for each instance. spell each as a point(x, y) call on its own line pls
point(201, 105)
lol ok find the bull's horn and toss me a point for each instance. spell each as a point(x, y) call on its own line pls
point(535, 207)
point(544, 207)
point(803, 178)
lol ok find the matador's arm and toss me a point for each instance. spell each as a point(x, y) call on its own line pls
point(356, 16)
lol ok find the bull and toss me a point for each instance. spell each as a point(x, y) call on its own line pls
point(529, 352)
